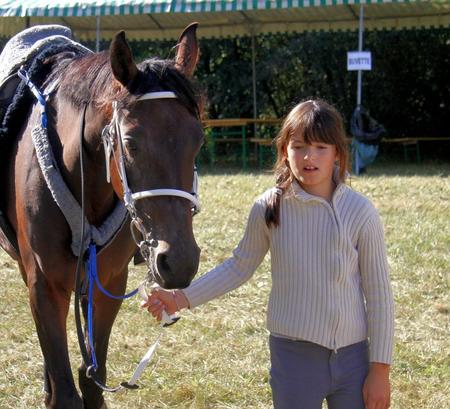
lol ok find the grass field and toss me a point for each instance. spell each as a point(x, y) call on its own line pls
point(216, 357)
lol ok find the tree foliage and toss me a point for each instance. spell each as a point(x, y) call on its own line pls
point(407, 90)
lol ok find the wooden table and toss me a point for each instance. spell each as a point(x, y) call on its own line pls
point(235, 130)
point(408, 143)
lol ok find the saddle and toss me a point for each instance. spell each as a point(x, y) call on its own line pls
point(29, 49)
point(23, 50)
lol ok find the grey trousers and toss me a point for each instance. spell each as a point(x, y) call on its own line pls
point(303, 374)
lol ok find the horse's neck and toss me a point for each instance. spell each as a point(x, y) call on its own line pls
point(99, 195)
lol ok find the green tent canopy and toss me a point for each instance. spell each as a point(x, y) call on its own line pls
point(159, 19)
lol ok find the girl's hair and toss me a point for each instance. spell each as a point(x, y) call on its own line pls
point(315, 121)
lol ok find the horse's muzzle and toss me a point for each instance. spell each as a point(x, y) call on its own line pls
point(176, 269)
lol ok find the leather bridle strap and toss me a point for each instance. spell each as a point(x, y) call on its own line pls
point(78, 284)
point(129, 197)
point(111, 133)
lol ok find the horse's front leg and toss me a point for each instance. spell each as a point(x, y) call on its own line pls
point(49, 304)
point(105, 312)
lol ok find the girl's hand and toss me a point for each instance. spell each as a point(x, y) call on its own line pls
point(377, 389)
point(160, 299)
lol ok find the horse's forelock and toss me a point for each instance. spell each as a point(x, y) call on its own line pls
point(161, 75)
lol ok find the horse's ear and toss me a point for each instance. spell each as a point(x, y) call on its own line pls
point(187, 51)
point(122, 63)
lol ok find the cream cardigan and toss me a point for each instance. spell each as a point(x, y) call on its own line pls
point(330, 279)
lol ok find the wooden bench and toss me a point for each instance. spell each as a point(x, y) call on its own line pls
point(409, 144)
point(237, 131)
point(222, 132)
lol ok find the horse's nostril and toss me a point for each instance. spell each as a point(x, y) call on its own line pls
point(163, 264)
point(175, 269)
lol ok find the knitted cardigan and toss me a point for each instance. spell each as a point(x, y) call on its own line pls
point(330, 279)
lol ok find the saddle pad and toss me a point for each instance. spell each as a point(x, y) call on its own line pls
point(21, 50)
point(25, 45)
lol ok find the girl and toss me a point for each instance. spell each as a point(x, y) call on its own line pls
point(330, 312)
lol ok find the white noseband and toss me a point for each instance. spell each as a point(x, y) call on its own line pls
point(129, 197)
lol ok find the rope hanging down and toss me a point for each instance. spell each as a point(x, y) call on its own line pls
point(91, 268)
point(91, 362)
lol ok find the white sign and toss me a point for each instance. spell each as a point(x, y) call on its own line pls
point(359, 60)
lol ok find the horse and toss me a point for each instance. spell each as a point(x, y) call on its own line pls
point(155, 113)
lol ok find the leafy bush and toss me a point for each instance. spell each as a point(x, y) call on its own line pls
point(407, 91)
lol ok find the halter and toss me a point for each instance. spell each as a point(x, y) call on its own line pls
point(130, 198)
point(113, 131)
point(109, 133)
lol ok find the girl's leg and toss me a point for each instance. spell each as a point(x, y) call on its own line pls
point(348, 368)
point(299, 374)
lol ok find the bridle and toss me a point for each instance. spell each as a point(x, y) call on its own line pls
point(111, 133)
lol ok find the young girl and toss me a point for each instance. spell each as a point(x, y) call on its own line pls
point(330, 312)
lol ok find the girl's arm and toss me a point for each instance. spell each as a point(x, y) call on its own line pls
point(225, 277)
point(380, 312)
point(377, 289)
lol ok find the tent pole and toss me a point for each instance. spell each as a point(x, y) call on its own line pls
point(255, 110)
point(360, 48)
point(97, 35)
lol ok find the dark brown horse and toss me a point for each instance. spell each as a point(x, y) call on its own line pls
point(158, 140)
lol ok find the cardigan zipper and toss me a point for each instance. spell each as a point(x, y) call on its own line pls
point(333, 211)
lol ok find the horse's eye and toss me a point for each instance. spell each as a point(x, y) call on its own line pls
point(130, 144)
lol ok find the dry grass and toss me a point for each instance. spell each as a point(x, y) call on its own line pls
point(217, 356)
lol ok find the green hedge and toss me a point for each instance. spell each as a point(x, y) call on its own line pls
point(407, 90)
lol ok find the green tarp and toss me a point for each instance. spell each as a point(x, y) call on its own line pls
point(157, 19)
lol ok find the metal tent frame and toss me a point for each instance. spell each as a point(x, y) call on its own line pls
point(163, 19)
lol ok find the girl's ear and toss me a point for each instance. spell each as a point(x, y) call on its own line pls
point(337, 157)
point(284, 151)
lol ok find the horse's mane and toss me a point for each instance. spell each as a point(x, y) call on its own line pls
point(89, 79)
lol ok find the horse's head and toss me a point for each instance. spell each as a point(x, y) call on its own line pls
point(158, 133)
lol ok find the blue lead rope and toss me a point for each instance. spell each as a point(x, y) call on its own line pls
point(92, 268)
point(93, 279)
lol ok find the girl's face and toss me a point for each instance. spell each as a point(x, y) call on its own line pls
point(312, 165)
